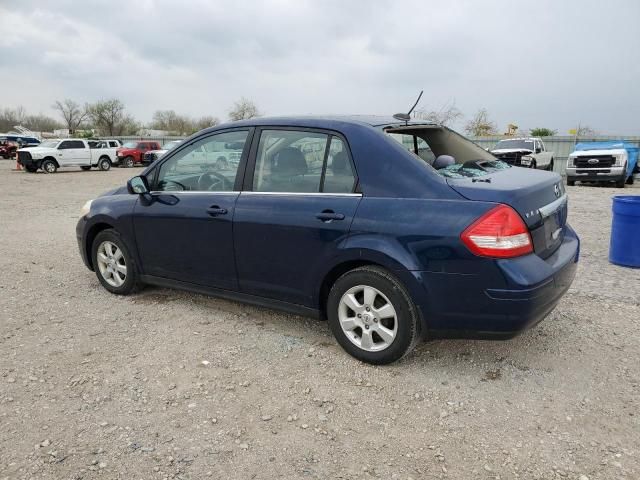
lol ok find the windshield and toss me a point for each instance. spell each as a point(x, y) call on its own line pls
point(170, 145)
point(49, 144)
point(523, 144)
point(130, 144)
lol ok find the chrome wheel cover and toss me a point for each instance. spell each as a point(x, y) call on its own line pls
point(111, 264)
point(368, 318)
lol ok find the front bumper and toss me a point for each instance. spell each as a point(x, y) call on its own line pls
point(476, 306)
point(608, 174)
point(81, 231)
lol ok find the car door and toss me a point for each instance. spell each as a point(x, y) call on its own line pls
point(184, 230)
point(69, 152)
point(294, 212)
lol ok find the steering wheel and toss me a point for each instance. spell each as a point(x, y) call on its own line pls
point(214, 181)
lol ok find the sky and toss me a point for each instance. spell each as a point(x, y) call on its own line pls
point(536, 64)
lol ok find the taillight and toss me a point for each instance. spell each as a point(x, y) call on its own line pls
point(499, 233)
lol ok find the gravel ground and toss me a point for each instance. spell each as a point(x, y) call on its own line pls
point(167, 384)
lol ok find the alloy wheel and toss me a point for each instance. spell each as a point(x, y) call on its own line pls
point(111, 264)
point(368, 318)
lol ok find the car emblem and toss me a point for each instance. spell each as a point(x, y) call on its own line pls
point(593, 161)
point(556, 190)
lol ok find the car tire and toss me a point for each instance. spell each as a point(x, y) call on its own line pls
point(550, 166)
point(128, 162)
point(571, 183)
point(104, 164)
point(31, 168)
point(630, 180)
point(620, 183)
point(356, 325)
point(49, 166)
point(533, 165)
point(85, 168)
point(113, 263)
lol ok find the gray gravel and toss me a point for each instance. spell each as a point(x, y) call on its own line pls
point(168, 384)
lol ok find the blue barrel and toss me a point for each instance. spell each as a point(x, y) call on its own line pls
point(624, 248)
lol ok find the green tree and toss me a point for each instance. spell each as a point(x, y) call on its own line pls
point(542, 132)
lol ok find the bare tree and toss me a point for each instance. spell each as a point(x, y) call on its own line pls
point(585, 131)
point(72, 113)
point(205, 122)
point(480, 125)
point(108, 116)
point(447, 115)
point(41, 123)
point(243, 109)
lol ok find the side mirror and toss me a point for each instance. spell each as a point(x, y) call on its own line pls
point(538, 150)
point(138, 185)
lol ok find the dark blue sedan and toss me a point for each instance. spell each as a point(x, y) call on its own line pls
point(393, 231)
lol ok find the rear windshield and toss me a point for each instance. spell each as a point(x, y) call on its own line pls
point(449, 153)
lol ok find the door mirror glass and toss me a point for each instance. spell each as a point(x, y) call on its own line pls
point(138, 185)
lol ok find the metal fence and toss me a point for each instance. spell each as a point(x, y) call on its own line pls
point(561, 146)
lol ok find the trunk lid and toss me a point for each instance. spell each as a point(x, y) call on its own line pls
point(538, 196)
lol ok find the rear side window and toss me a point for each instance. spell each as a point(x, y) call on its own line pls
point(113, 144)
point(67, 144)
point(302, 162)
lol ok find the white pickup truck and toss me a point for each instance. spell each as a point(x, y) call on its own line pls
point(69, 152)
point(524, 152)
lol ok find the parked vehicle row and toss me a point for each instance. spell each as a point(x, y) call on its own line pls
point(51, 155)
point(343, 218)
point(10, 143)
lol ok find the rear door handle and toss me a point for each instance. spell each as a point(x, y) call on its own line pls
point(215, 210)
point(328, 215)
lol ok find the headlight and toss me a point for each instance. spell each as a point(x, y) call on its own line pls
point(85, 208)
point(526, 160)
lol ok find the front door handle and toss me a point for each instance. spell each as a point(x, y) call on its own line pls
point(215, 210)
point(328, 215)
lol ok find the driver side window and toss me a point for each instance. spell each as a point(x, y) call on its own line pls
point(209, 164)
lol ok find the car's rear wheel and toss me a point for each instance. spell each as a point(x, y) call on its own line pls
point(86, 168)
point(550, 167)
point(372, 316)
point(128, 162)
point(104, 164)
point(49, 166)
point(113, 263)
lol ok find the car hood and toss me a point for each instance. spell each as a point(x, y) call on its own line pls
point(126, 150)
point(511, 150)
point(586, 153)
point(36, 149)
point(114, 191)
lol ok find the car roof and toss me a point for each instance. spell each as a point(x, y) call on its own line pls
point(328, 121)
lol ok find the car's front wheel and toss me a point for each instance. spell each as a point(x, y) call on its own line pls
point(49, 166)
point(128, 162)
point(372, 316)
point(113, 263)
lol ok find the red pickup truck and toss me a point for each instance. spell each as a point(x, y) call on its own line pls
point(132, 153)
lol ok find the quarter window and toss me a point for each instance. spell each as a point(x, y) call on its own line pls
point(300, 162)
point(210, 164)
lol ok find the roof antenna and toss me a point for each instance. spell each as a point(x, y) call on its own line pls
point(405, 117)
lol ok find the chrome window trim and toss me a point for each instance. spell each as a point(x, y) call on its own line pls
point(304, 194)
point(191, 192)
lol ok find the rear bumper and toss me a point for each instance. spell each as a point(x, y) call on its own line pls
point(464, 306)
